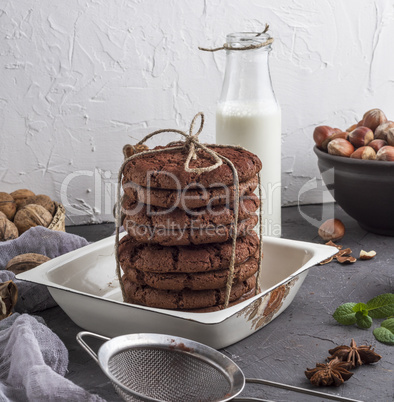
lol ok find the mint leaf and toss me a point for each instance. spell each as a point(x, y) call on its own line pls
point(345, 314)
point(389, 324)
point(363, 320)
point(385, 333)
point(360, 307)
point(381, 306)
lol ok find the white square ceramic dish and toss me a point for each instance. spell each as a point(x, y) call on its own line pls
point(85, 286)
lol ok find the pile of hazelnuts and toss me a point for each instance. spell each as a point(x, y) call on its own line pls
point(371, 138)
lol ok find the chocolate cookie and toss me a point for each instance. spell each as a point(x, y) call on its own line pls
point(193, 235)
point(167, 169)
point(193, 281)
point(185, 299)
point(176, 218)
point(187, 199)
point(219, 307)
point(187, 259)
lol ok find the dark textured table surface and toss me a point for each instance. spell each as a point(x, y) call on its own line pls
point(300, 336)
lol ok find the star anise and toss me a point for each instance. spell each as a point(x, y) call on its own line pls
point(334, 372)
point(356, 355)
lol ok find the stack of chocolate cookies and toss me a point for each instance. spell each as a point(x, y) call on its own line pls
point(177, 251)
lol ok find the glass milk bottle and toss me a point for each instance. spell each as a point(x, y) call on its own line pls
point(249, 115)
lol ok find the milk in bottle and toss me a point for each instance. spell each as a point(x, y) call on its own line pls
point(249, 115)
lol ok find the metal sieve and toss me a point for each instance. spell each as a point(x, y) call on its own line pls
point(155, 367)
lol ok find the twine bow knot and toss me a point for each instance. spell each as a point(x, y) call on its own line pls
point(191, 138)
point(191, 143)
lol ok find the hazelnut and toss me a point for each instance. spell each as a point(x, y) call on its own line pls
point(21, 195)
point(385, 154)
point(390, 137)
point(25, 262)
point(324, 144)
point(382, 130)
point(8, 231)
point(332, 229)
point(377, 144)
point(340, 147)
point(7, 205)
point(367, 255)
point(374, 118)
point(361, 136)
point(42, 200)
point(323, 132)
point(30, 216)
point(352, 127)
point(364, 153)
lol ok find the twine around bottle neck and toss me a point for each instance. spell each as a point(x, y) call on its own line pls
point(229, 46)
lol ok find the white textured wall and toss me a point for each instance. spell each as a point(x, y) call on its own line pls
point(79, 79)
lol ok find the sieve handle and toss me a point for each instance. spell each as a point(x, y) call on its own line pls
point(295, 389)
point(80, 340)
point(246, 399)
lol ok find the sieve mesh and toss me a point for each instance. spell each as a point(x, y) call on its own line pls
point(168, 375)
point(154, 367)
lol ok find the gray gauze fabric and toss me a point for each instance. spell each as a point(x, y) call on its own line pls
point(33, 362)
point(40, 240)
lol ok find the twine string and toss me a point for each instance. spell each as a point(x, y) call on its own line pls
point(257, 289)
point(191, 143)
point(228, 46)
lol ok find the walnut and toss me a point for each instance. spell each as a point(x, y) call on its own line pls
point(21, 195)
point(8, 231)
point(30, 216)
point(8, 298)
point(25, 262)
point(7, 205)
point(42, 200)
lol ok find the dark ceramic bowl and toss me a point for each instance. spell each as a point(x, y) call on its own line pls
point(363, 188)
